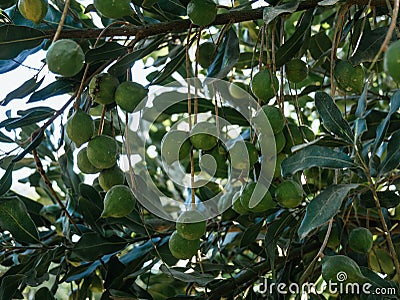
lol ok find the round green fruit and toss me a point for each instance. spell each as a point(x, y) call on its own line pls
point(204, 136)
point(110, 177)
point(391, 61)
point(289, 194)
point(206, 54)
point(202, 12)
point(334, 237)
point(80, 127)
point(341, 269)
point(243, 157)
point(102, 152)
point(84, 164)
point(33, 10)
point(237, 205)
point(215, 158)
point(170, 143)
point(264, 85)
point(102, 88)
point(256, 194)
point(113, 9)
point(361, 240)
point(129, 94)
point(182, 248)
point(349, 78)
point(280, 141)
point(274, 116)
point(296, 70)
point(118, 202)
point(65, 58)
point(191, 225)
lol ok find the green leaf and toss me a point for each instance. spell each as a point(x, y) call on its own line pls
point(32, 145)
point(315, 156)
point(332, 117)
point(92, 246)
point(5, 139)
point(24, 90)
point(59, 87)
point(9, 286)
point(320, 43)
point(28, 119)
point(327, 2)
point(250, 234)
point(289, 49)
point(44, 294)
point(106, 52)
point(392, 158)
point(193, 276)
point(15, 39)
point(271, 12)
point(227, 56)
point(15, 219)
point(387, 199)
point(323, 207)
point(6, 180)
point(170, 67)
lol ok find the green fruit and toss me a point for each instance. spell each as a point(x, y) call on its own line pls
point(202, 12)
point(110, 177)
point(243, 157)
point(215, 158)
point(206, 54)
point(261, 197)
point(296, 70)
point(118, 202)
point(204, 136)
point(79, 127)
point(289, 194)
point(237, 205)
point(102, 152)
point(129, 94)
point(264, 85)
point(182, 248)
point(33, 10)
point(307, 133)
point(391, 61)
point(274, 116)
point(349, 78)
point(341, 269)
point(65, 58)
point(334, 237)
point(102, 88)
point(293, 137)
point(238, 90)
point(7, 3)
point(170, 143)
point(191, 225)
point(280, 141)
point(113, 9)
point(84, 164)
point(361, 240)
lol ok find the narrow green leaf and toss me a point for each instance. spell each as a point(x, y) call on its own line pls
point(92, 246)
point(44, 294)
point(24, 90)
point(6, 180)
point(320, 43)
point(387, 199)
point(271, 12)
point(32, 145)
point(170, 67)
point(193, 276)
point(315, 156)
point(250, 234)
point(392, 158)
point(9, 285)
point(5, 139)
point(59, 87)
point(15, 219)
point(15, 39)
point(323, 207)
point(28, 119)
point(332, 117)
point(106, 52)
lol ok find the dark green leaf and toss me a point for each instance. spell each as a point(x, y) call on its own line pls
point(250, 234)
point(360, 126)
point(271, 12)
point(28, 119)
point(24, 90)
point(323, 207)
point(44, 294)
point(15, 39)
point(170, 67)
point(387, 199)
point(15, 219)
point(5, 139)
point(59, 87)
point(92, 246)
point(32, 145)
point(193, 276)
point(227, 56)
point(315, 156)
point(106, 52)
point(9, 286)
point(332, 117)
point(6, 180)
point(320, 43)
point(392, 158)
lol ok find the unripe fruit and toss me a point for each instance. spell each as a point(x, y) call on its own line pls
point(339, 267)
point(118, 202)
point(206, 54)
point(391, 61)
point(111, 177)
point(175, 145)
point(280, 141)
point(33, 10)
point(102, 152)
point(243, 155)
point(264, 85)
point(113, 9)
point(193, 230)
point(129, 94)
point(261, 197)
point(296, 70)
point(237, 205)
point(204, 136)
point(65, 58)
point(349, 78)
point(361, 240)
point(84, 164)
point(289, 194)
point(274, 116)
point(182, 248)
point(202, 12)
point(79, 127)
point(102, 88)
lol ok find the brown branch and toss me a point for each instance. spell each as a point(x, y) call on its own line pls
point(235, 16)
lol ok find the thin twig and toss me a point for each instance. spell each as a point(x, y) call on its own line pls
point(62, 20)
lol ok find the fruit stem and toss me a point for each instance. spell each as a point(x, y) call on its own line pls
point(62, 20)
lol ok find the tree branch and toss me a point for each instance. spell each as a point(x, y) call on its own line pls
point(236, 16)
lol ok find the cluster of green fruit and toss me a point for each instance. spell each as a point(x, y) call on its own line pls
point(185, 240)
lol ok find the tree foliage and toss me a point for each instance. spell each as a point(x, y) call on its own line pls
point(57, 242)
